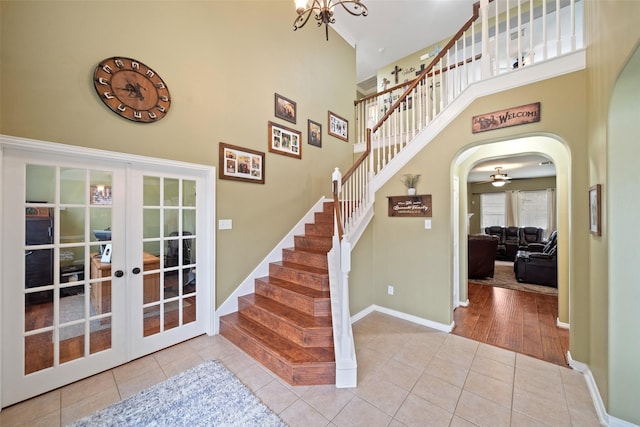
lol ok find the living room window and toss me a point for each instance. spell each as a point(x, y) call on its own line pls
point(493, 209)
point(534, 208)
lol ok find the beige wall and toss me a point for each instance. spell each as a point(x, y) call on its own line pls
point(419, 262)
point(222, 61)
point(613, 35)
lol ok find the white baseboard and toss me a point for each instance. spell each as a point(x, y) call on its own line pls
point(463, 303)
point(603, 416)
point(400, 315)
point(562, 325)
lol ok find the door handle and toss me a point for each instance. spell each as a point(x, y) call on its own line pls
point(136, 270)
point(119, 273)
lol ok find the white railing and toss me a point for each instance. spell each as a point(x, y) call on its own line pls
point(502, 36)
point(339, 260)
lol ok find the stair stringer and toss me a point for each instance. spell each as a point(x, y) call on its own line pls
point(230, 305)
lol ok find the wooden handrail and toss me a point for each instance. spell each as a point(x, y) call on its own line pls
point(337, 210)
point(391, 89)
point(429, 68)
point(427, 72)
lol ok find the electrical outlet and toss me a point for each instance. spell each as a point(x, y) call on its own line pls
point(390, 289)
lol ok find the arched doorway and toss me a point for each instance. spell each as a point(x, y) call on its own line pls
point(553, 148)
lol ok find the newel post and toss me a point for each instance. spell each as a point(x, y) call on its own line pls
point(336, 177)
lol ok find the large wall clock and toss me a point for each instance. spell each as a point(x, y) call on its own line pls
point(131, 89)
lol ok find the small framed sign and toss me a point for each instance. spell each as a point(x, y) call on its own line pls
point(410, 206)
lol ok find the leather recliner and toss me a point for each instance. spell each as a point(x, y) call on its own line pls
point(531, 239)
point(481, 255)
point(496, 230)
point(511, 242)
point(540, 268)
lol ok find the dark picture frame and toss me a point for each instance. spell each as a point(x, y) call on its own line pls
point(338, 126)
point(314, 133)
point(595, 213)
point(285, 109)
point(241, 164)
point(284, 140)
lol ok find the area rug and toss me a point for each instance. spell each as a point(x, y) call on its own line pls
point(206, 395)
point(504, 277)
point(72, 308)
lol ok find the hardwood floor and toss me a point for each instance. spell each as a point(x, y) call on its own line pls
point(524, 322)
point(39, 348)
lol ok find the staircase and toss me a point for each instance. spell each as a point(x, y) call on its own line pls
point(286, 324)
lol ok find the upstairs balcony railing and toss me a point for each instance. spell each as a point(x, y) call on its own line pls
point(501, 36)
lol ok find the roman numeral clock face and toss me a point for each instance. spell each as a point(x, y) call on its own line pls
point(131, 89)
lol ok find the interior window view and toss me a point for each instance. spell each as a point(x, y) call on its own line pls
point(319, 213)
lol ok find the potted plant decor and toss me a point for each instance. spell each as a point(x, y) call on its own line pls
point(410, 181)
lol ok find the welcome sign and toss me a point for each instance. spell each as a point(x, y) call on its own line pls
point(505, 118)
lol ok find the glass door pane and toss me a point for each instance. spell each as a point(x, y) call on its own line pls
point(67, 291)
point(169, 237)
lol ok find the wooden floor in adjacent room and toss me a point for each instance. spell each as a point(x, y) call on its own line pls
point(524, 322)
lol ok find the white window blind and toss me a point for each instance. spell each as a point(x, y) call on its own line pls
point(492, 209)
point(532, 209)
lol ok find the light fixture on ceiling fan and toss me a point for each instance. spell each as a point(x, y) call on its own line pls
point(499, 179)
point(323, 11)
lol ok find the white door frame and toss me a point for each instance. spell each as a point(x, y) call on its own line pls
point(206, 274)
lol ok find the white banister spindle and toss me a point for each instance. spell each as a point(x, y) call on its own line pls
point(519, 58)
point(558, 32)
point(545, 49)
point(531, 31)
point(485, 67)
point(572, 5)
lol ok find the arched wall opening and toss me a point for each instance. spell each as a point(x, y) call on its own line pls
point(548, 145)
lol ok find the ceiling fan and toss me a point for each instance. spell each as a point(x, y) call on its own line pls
point(499, 179)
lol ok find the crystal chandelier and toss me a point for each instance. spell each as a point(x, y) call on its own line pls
point(322, 10)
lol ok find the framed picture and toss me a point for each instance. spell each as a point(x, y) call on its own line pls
point(285, 109)
point(285, 141)
point(314, 132)
point(100, 195)
point(595, 222)
point(338, 127)
point(240, 164)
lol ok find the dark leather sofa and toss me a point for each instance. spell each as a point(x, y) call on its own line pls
point(540, 268)
point(481, 255)
point(514, 239)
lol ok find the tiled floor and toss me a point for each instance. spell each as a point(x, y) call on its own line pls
point(408, 375)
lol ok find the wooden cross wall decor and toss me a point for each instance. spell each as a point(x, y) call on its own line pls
point(396, 72)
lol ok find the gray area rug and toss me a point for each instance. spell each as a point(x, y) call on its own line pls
point(504, 277)
point(207, 395)
point(72, 308)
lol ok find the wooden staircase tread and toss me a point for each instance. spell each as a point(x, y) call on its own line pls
point(307, 250)
point(294, 287)
point(301, 267)
point(293, 316)
point(285, 349)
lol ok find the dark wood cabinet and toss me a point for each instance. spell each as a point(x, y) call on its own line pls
point(38, 263)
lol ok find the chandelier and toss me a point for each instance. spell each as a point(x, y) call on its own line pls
point(322, 10)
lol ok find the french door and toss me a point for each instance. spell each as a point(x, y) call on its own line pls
point(102, 263)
